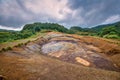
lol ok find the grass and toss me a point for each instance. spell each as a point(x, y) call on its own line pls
point(21, 41)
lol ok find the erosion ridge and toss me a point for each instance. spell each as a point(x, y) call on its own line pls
point(63, 53)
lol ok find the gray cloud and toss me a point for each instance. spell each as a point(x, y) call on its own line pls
point(85, 13)
point(96, 11)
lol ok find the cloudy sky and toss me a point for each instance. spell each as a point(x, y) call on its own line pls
point(84, 13)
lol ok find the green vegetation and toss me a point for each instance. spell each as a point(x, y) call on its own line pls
point(30, 30)
point(19, 45)
point(76, 28)
point(82, 31)
point(110, 31)
point(36, 27)
point(5, 49)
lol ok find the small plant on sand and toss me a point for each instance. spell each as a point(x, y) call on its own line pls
point(5, 49)
point(27, 42)
point(8, 48)
point(19, 45)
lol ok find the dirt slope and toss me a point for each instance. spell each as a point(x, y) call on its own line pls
point(59, 56)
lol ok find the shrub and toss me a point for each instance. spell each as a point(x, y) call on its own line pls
point(8, 48)
point(111, 36)
point(19, 45)
point(5, 49)
point(27, 42)
point(2, 50)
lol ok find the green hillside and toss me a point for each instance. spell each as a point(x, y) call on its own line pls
point(81, 31)
point(100, 27)
point(108, 31)
point(29, 30)
point(111, 31)
point(36, 27)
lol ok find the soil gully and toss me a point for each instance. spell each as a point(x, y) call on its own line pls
point(74, 51)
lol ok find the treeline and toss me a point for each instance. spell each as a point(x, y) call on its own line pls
point(107, 31)
point(31, 29)
point(110, 31)
point(36, 27)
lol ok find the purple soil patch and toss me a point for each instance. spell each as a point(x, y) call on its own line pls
point(74, 48)
point(57, 45)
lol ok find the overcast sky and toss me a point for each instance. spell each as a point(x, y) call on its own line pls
point(84, 13)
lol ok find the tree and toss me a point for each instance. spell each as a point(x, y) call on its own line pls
point(108, 30)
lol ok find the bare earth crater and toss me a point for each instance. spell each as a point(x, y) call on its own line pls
point(57, 56)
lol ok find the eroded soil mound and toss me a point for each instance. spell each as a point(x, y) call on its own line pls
point(72, 49)
point(57, 56)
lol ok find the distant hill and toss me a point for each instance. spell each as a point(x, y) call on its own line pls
point(36, 27)
point(107, 31)
point(76, 28)
point(29, 30)
point(6, 30)
point(100, 27)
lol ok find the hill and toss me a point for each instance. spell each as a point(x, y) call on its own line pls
point(100, 27)
point(108, 30)
point(56, 56)
point(30, 30)
point(36, 27)
point(111, 31)
point(40, 51)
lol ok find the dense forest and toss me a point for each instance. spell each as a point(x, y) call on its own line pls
point(111, 31)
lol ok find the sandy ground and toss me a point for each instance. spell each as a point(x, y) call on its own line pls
point(29, 62)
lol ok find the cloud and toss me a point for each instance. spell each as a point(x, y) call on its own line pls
point(112, 19)
point(53, 8)
point(11, 28)
point(95, 11)
point(83, 13)
point(19, 12)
